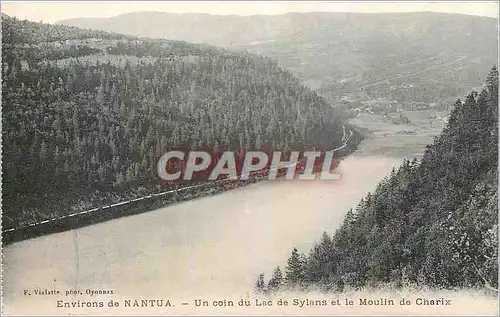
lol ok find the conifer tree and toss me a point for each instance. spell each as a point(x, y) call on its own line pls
point(260, 284)
point(276, 282)
point(295, 270)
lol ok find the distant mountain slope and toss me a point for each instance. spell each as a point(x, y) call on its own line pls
point(433, 222)
point(86, 115)
point(412, 58)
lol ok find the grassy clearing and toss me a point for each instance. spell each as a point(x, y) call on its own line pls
point(387, 135)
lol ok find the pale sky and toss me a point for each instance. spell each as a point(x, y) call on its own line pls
point(54, 11)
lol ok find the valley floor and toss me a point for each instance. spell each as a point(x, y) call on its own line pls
point(384, 135)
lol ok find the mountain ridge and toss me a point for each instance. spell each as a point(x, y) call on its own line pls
point(87, 114)
point(397, 57)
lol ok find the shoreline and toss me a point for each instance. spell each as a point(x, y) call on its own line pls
point(147, 203)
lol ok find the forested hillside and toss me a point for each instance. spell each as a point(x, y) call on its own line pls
point(86, 114)
point(431, 222)
point(412, 60)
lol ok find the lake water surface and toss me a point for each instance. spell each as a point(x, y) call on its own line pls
point(216, 244)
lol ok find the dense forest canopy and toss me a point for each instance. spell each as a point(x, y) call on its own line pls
point(432, 222)
point(89, 113)
point(409, 60)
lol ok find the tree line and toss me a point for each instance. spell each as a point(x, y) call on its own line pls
point(431, 222)
point(96, 121)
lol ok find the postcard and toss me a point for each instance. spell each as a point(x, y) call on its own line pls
point(249, 158)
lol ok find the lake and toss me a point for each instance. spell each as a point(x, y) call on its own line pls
point(217, 244)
